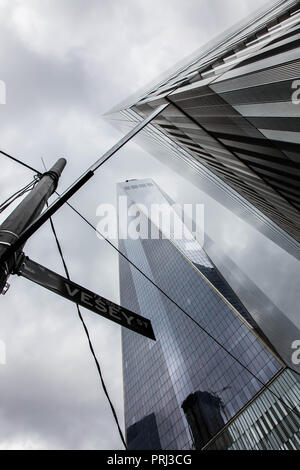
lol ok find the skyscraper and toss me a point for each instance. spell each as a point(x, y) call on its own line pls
point(232, 124)
point(211, 379)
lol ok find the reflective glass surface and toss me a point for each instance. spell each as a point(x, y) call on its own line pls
point(234, 110)
point(182, 389)
point(267, 423)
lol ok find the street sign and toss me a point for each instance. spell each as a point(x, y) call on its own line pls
point(84, 297)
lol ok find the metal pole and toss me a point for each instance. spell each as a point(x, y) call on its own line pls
point(27, 211)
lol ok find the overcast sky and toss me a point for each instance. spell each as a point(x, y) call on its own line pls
point(65, 63)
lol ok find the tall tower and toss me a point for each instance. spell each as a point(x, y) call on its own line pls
point(232, 124)
point(210, 379)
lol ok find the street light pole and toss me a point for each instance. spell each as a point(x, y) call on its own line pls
point(23, 215)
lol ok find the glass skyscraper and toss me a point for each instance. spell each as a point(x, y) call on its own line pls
point(232, 124)
point(211, 379)
point(231, 128)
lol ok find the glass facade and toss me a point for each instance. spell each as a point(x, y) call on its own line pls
point(233, 121)
point(266, 423)
point(206, 366)
point(232, 130)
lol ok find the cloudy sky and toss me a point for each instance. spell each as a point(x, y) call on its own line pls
point(65, 63)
